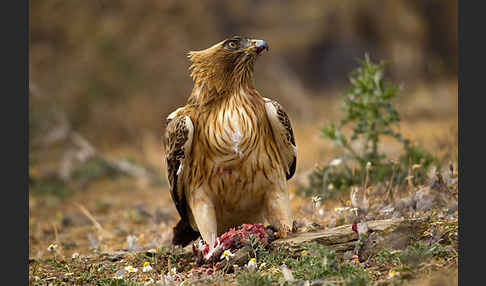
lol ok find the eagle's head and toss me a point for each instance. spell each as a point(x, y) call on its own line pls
point(226, 65)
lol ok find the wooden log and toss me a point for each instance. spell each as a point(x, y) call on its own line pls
point(394, 233)
point(344, 233)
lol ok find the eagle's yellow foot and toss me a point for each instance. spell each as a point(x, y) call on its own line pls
point(283, 232)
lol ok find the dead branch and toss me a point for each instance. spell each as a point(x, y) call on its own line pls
point(342, 235)
point(393, 233)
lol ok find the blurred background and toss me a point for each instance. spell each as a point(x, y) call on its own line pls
point(105, 74)
point(116, 67)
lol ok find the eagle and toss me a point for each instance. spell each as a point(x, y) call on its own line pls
point(229, 151)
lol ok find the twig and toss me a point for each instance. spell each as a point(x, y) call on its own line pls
point(94, 221)
point(410, 176)
point(365, 184)
point(389, 188)
point(55, 233)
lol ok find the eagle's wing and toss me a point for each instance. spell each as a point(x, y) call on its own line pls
point(283, 135)
point(178, 143)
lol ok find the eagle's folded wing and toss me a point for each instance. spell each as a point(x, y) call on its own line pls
point(283, 135)
point(178, 142)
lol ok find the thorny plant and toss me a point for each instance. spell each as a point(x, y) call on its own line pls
point(370, 114)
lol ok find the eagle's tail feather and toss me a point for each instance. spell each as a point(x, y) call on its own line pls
point(183, 233)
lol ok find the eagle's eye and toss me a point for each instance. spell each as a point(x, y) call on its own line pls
point(232, 45)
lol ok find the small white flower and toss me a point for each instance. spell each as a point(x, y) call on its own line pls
point(146, 266)
point(131, 269)
point(336, 162)
point(51, 247)
point(262, 266)
point(36, 278)
point(330, 187)
point(75, 255)
point(252, 265)
point(68, 274)
point(119, 274)
point(226, 255)
point(392, 273)
point(173, 271)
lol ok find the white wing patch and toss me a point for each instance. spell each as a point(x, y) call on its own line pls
point(174, 114)
point(283, 135)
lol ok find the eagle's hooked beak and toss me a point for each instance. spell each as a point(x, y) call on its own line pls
point(259, 45)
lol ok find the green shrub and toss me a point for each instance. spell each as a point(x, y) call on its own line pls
point(370, 114)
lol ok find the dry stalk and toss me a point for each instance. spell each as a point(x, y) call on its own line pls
point(98, 226)
point(389, 189)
